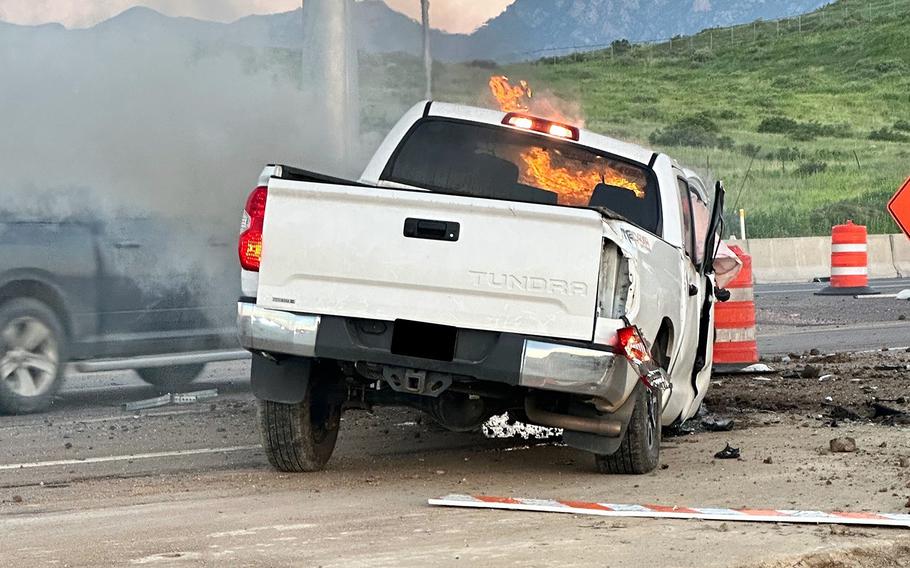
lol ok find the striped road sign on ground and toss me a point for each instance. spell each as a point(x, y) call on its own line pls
point(663, 512)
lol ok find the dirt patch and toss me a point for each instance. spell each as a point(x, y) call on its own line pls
point(842, 386)
point(889, 556)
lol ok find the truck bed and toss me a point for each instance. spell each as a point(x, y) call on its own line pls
point(466, 262)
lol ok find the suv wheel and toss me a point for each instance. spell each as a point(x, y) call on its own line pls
point(32, 356)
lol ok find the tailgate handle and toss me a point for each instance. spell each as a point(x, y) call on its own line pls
point(431, 230)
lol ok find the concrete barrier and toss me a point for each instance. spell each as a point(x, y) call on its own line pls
point(802, 259)
point(795, 259)
point(900, 251)
point(881, 257)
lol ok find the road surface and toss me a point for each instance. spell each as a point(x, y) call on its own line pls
point(89, 484)
point(791, 318)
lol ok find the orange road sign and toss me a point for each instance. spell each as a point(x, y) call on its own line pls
point(899, 207)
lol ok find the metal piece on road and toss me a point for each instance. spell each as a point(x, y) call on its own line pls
point(663, 512)
point(158, 361)
point(193, 397)
point(874, 296)
point(172, 398)
point(156, 402)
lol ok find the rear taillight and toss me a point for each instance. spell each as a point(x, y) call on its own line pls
point(250, 245)
point(633, 345)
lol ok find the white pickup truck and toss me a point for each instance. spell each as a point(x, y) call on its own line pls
point(484, 262)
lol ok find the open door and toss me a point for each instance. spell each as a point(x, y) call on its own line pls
point(701, 372)
point(715, 228)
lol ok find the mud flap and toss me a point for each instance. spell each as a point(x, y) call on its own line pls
point(601, 444)
point(284, 381)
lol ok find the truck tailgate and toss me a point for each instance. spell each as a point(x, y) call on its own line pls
point(515, 267)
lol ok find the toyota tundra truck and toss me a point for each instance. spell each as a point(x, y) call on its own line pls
point(485, 262)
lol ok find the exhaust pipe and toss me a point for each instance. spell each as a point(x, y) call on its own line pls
point(600, 426)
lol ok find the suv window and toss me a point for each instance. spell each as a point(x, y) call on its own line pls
point(479, 160)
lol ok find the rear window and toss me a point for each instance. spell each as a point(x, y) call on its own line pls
point(478, 160)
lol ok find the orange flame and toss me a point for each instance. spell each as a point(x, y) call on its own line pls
point(573, 186)
point(510, 98)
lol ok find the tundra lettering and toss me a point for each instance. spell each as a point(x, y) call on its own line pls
point(500, 281)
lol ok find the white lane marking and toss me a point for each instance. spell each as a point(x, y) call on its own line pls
point(837, 329)
point(872, 284)
point(254, 530)
point(120, 418)
point(148, 456)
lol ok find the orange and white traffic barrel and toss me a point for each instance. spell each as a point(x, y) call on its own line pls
point(734, 320)
point(849, 262)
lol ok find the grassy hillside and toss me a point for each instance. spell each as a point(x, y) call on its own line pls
point(818, 106)
point(825, 112)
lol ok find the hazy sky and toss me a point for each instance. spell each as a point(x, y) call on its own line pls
point(450, 15)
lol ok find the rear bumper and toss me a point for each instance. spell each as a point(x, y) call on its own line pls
point(505, 358)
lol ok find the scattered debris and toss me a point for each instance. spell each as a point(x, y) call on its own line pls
point(728, 453)
point(842, 413)
point(810, 372)
point(657, 511)
point(903, 295)
point(715, 424)
point(17, 499)
point(768, 460)
point(757, 368)
point(761, 379)
point(879, 410)
point(172, 398)
point(904, 462)
point(842, 445)
point(824, 378)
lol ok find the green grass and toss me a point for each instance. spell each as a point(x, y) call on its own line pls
point(846, 75)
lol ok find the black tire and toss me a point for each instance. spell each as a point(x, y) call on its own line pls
point(171, 378)
point(33, 355)
point(640, 449)
point(639, 452)
point(299, 437)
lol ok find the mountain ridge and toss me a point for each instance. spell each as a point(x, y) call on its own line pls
point(525, 26)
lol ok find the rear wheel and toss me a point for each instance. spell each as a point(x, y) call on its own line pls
point(32, 356)
point(300, 437)
point(640, 449)
point(170, 378)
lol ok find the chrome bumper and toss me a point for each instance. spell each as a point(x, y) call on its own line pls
point(564, 368)
point(262, 329)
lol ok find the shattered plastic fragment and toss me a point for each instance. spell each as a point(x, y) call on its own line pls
point(728, 453)
point(714, 424)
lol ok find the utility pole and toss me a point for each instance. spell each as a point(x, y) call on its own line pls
point(330, 73)
point(427, 54)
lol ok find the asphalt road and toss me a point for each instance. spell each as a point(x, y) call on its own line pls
point(89, 484)
point(791, 318)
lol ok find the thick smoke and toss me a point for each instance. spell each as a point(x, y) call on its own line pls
point(155, 138)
